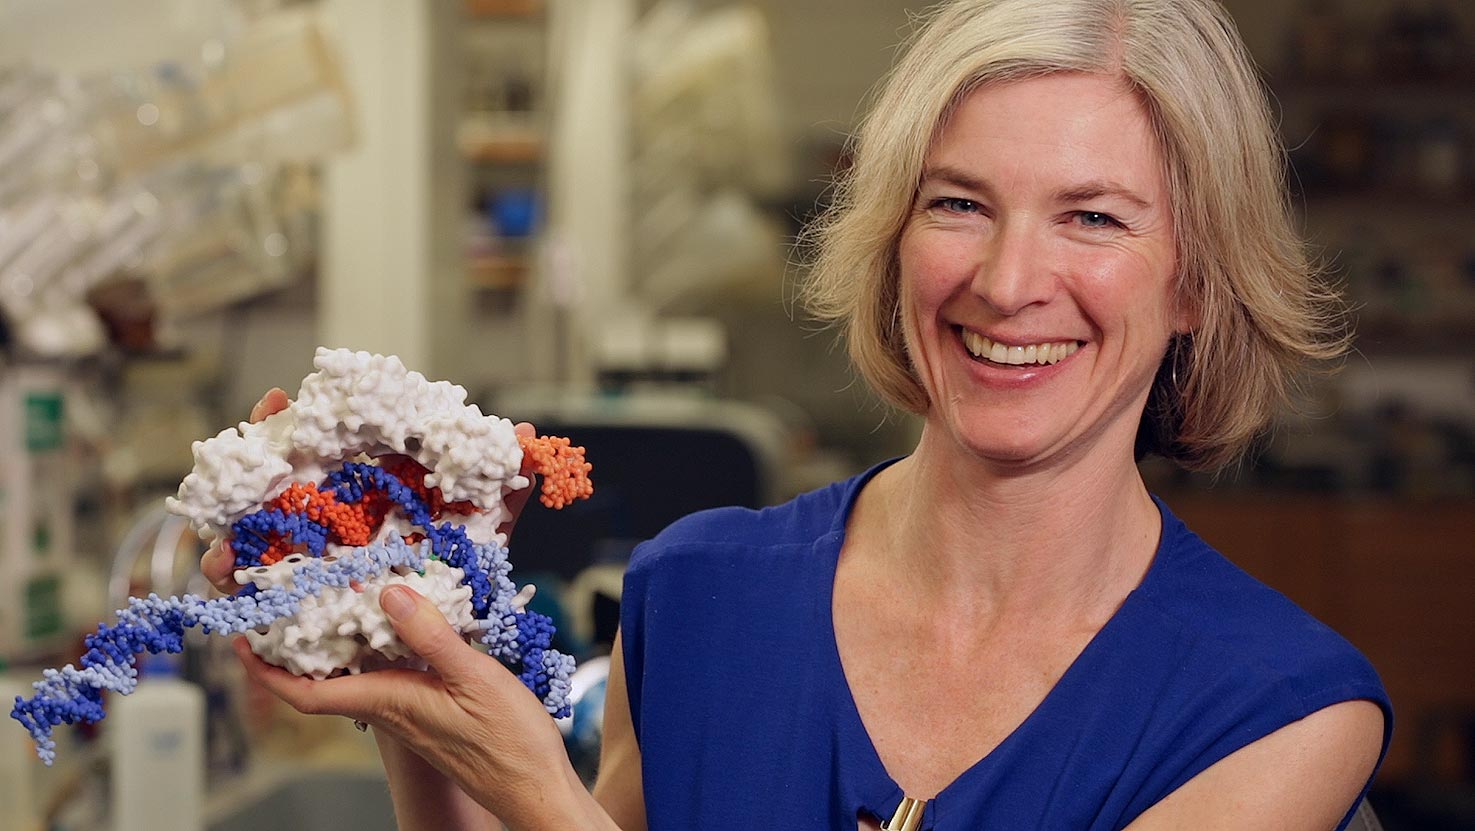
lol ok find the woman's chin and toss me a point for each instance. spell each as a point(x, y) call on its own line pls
point(1000, 447)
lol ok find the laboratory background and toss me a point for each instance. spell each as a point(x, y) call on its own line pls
point(585, 212)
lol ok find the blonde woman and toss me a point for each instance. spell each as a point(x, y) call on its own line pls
point(1064, 243)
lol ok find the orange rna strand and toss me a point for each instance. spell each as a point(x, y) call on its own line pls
point(565, 473)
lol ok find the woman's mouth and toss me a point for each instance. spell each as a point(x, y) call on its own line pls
point(986, 350)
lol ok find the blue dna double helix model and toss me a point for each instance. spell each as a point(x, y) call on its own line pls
point(520, 639)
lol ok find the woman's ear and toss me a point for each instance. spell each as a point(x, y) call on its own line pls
point(1186, 322)
point(1187, 310)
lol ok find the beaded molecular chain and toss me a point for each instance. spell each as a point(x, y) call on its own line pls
point(372, 477)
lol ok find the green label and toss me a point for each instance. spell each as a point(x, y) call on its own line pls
point(41, 541)
point(43, 607)
point(43, 421)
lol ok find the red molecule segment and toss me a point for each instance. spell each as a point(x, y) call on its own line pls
point(563, 468)
point(355, 524)
point(412, 473)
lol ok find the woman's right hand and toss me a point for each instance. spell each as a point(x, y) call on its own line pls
point(218, 564)
point(471, 720)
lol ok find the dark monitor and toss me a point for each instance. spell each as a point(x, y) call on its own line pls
point(645, 478)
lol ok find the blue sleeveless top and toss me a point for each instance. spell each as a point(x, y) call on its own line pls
point(744, 717)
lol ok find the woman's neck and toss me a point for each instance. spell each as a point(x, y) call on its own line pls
point(964, 538)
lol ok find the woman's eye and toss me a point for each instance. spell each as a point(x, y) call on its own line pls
point(955, 205)
point(1093, 219)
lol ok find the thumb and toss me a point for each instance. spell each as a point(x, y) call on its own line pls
point(424, 629)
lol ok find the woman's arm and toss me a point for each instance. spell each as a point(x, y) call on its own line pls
point(426, 799)
point(618, 788)
point(1303, 777)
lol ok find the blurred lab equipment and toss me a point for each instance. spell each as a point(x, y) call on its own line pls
point(157, 735)
point(186, 175)
point(160, 553)
point(160, 732)
point(36, 510)
point(20, 806)
point(135, 193)
point(707, 147)
point(638, 226)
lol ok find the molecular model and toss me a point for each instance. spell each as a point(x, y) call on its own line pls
point(372, 477)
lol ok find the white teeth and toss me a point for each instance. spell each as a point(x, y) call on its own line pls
point(1036, 353)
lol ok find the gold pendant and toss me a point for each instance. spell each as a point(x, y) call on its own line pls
point(908, 816)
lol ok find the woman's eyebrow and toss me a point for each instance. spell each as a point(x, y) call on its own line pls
point(955, 176)
point(1095, 189)
point(1082, 192)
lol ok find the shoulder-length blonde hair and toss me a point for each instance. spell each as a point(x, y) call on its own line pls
point(1264, 314)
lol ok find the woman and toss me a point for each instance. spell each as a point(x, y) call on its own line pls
point(1064, 242)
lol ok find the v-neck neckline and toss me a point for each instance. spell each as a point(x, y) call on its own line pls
point(879, 793)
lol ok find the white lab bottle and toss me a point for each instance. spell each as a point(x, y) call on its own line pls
point(158, 752)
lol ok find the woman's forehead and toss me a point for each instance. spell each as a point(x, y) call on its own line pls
point(1062, 129)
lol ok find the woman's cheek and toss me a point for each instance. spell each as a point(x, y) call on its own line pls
point(933, 267)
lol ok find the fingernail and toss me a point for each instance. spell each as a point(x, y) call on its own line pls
point(397, 602)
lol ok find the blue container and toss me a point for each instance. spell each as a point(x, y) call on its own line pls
point(514, 212)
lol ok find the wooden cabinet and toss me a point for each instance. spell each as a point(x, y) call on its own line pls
point(1396, 578)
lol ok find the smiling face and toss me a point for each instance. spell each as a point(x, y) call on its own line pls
point(1037, 271)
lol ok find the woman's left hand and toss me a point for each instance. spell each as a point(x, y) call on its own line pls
point(467, 715)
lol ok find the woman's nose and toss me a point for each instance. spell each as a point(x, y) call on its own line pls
point(1014, 271)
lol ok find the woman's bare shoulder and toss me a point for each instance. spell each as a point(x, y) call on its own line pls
point(1306, 775)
